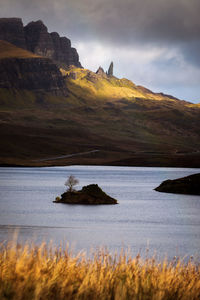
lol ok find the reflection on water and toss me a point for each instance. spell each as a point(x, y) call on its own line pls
point(167, 223)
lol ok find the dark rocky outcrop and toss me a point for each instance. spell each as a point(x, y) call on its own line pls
point(30, 74)
point(110, 70)
point(186, 185)
point(51, 45)
point(95, 77)
point(12, 31)
point(36, 38)
point(20, 69)
point(90, 194)
point(101, 72)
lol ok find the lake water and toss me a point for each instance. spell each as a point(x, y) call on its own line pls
point(166, 223)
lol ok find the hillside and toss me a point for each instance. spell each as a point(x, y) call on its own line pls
point(102, 87)
point(100, 119)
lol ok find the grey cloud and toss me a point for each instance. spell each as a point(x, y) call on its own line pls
point(132, 22)
point(172, 20)
point(174, 23)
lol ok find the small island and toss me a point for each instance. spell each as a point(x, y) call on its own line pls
point(90, 194)
point(186, 185)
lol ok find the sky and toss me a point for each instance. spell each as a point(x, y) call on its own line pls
point(154, 43)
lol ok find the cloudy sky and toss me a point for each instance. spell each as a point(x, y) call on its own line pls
point(155, 43)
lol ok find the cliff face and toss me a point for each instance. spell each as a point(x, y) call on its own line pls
point(30, 74)
point(51, 45)
point(36, 38)
point(12, 31)
point(20, 69)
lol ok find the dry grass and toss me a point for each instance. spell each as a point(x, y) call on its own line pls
point(28, 273)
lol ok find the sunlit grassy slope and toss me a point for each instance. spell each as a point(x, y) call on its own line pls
point(39, 273)
point(106, 87)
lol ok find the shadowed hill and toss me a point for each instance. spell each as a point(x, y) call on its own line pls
point(127, 124)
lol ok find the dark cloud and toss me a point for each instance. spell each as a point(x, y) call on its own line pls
point(127, 20)
point(174, 23)
point(116, 21)
point(138, 24)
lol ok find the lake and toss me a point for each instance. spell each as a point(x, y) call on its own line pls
point(144, 219)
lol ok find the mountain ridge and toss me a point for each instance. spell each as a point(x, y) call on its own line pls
point(127, 124)
point(35, 37)
point(98, 78)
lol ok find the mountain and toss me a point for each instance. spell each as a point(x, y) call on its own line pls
point(52, 116)
point(35, 37)
point(23, 70)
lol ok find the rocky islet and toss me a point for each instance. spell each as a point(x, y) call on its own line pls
point(186, 185)
point(91, 194)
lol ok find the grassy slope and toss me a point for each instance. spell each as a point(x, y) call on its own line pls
point(128, 124)
point(103, 88)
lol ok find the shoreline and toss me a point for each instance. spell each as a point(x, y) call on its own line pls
point(96, 157)
point(87, 163)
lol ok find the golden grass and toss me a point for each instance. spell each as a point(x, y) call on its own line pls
point(108, 88)
point(41, 273)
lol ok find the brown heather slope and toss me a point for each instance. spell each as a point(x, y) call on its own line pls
point(127, 124)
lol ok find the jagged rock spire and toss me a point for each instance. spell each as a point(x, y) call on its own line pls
point(100, 71)
point(110, 70)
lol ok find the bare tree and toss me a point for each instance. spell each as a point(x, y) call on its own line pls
point(71, 182)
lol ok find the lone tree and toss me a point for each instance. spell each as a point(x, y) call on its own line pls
point(110, 70)
point(71, 182)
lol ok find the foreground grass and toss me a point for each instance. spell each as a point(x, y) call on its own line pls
point(44, 273)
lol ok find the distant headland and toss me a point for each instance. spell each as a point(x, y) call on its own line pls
point(186, 185)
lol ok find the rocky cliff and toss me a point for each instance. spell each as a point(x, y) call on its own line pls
point(20, 69)
point(36, 38)
point(12, 31)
